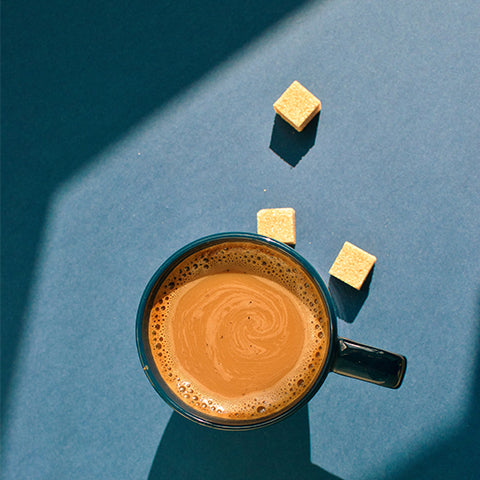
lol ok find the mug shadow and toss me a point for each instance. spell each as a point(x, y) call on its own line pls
point(280, 451)
point(348, 301)
point(289, 144)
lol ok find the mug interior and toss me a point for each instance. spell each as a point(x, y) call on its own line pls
point(147, 356)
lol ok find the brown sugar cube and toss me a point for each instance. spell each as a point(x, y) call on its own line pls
point(297, 106)
point(277, 223)
point(352, 265)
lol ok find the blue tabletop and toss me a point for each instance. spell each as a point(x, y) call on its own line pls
point(131, 129)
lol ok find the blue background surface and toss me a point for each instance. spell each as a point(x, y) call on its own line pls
point(131, 129)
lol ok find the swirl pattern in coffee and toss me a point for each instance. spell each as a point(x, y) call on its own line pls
point(239, 331)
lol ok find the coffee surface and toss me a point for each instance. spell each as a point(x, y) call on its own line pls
point(238, 331)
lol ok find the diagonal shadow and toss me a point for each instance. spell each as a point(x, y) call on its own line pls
point(76, 76)
point(281, 451)
point(456, 456)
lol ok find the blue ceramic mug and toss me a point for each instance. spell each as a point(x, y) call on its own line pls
point(339, 355)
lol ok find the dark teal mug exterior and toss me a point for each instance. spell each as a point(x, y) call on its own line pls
point(344, 356)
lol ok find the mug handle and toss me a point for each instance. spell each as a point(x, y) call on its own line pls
point(369, 364)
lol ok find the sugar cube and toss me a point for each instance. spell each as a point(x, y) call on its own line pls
point(297, 106)
point(352, 265)
point(277, 223)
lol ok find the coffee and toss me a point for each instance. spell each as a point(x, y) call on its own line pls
point(238, 331)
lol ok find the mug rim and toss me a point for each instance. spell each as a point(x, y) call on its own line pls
point(182, 254)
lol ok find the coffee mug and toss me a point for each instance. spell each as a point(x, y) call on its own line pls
point(238, 331)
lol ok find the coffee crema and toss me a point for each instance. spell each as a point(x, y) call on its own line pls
point(238, 331)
